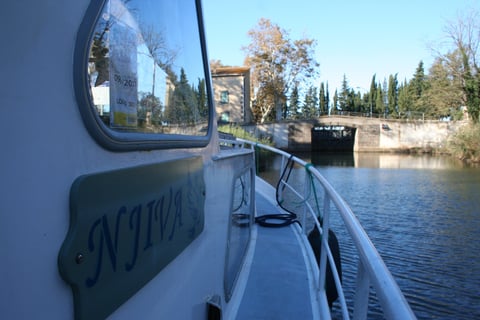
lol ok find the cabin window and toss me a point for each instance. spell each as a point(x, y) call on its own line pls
point(240, 222)
point(224, 97)
point(225, 116)
point(146, 74)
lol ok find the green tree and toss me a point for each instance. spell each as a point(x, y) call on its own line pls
point(393, 95)
point(417, 87)
point(334, 108)
point(471, 88)
point(462, 61)
point(343, 96)
point(310, 104)
point(357, 101)
point(443, 94)
point(372, 95)
point(202, 99)
point(379, 101)
point(182, 107)
point(322, 100)
point(327, 98)
point(405, 101)
point(149, 104)
point(294, 104)
point(277, 64)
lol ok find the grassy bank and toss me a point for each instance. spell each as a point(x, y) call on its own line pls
point(241, 133)
point(465, 145)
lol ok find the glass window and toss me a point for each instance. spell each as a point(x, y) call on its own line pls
point(225, 116)
point(224, 97)
point(146, 72)
point(241, 218)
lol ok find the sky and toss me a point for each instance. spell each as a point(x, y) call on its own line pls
point(354, 38)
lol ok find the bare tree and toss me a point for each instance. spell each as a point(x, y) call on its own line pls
point(461, 59)
point(277, 64)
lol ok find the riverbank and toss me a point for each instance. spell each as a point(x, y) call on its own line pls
point(459, 139)
point(465, 144)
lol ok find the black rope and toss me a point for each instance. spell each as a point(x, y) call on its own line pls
point(280, 219)
point(276, 220)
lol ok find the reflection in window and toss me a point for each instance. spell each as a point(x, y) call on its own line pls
point(225, 117)
point(239, 228)
point(224, 97)
point(146, 68)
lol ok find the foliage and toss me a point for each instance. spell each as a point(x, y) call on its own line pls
point(294, 104)
point(379, 100)
point(187, 104)
point(310, 104)
point(443, 93)
point(277, 64)
point(239, 132)
point(323, 99)
point(393, 95)
point(372, 95)
point(466, 143)
point(281, 70)
point(463, 36)
point(149, 103)
point(343, 103)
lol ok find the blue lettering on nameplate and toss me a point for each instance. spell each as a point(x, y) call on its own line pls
point(125, 227)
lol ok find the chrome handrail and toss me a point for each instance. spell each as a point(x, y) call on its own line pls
point(371, 268)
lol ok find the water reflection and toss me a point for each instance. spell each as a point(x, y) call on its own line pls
point(383, 160)
point(424, 222)
point(239, 229)
point(147, 74)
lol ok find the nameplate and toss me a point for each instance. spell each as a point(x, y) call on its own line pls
point(125, 227)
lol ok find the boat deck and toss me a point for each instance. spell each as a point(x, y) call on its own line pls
point(279, 283)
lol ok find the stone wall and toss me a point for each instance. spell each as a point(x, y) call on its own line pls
point(372, 135)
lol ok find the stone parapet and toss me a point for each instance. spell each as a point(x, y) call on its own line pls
point(372, 134)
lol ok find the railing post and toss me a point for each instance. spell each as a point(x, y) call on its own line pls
point(371, 271)
point(324, 222)
point(362, 292)
point(304, 201)
point(281, 183)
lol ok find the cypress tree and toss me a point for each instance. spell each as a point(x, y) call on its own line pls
point(404, 99)
point(322, 99)
point(471, 88)
point(372, 95)
point(307, 104)
point(335, 103)
point(327, 98)
point(393, 95)
point(343, 95)
point(418, 82)
point(294, 103)
point(379, 104)
point(417, 86)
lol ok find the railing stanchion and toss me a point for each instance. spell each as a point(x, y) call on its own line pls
point(305, 204)
point(324, 242)
point(371, 270)
point(362, 292)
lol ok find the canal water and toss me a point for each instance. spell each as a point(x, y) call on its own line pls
point(423, 215)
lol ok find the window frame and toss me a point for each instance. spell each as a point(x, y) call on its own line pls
point(129, 141)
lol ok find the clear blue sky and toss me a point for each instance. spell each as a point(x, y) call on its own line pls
point(355, 38)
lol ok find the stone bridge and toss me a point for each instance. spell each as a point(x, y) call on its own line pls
point(370, 134)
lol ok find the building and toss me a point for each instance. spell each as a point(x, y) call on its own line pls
point(231, 89)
